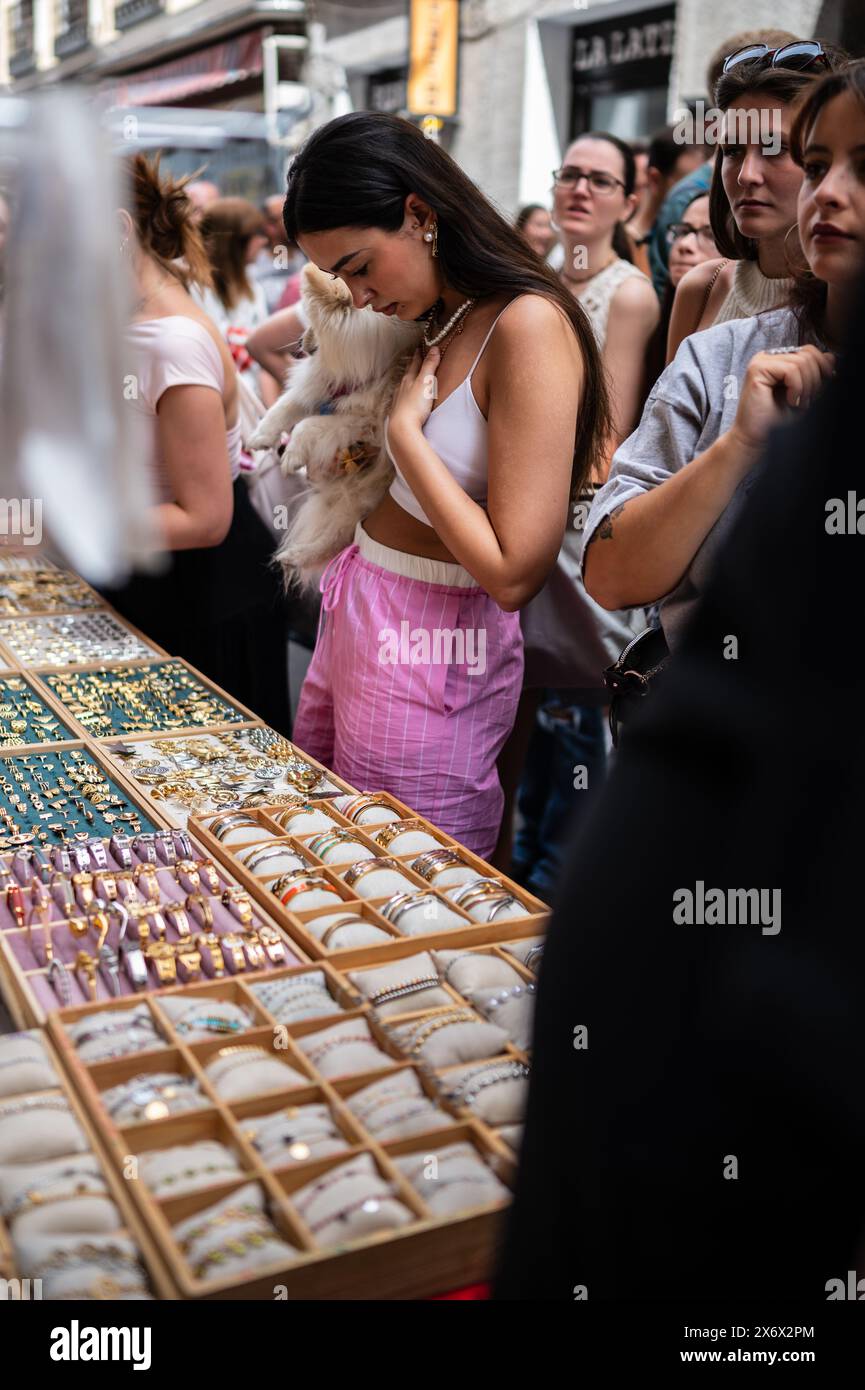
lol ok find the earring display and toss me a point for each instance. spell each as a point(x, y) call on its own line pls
point(52, 796)
point(44, 589)
point(25, 717)
point(138, 699)
point(209, 773)
point(72, 639)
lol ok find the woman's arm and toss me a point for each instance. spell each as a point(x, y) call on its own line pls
point(275, 342)
point(643, 547)
point(634, 314)
point(690, 303)
point(535, 374)
point(192, 437)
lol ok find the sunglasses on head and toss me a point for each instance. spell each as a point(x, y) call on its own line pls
point(798, 55)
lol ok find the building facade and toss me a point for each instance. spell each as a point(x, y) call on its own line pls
point(534, 73)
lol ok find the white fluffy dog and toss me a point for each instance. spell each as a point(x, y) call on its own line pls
point(357, 360)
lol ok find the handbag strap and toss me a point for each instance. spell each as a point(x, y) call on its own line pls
point(709, 288)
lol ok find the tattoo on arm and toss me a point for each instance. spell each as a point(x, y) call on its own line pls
point(605, 530)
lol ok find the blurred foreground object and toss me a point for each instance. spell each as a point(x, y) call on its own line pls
point(68, 444)
point(695, 1126)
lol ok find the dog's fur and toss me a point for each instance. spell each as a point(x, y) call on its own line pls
point(364, 354)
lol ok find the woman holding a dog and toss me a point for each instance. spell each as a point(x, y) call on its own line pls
point(498, 419)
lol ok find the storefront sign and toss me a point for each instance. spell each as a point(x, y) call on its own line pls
point(434, 49)
point(619, 44)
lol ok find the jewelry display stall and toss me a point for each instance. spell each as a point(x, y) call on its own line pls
point(275, 1029)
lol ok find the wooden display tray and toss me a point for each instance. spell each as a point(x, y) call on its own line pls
point(428, 1257)
point(48, 698)
point(400, 944)
point(16, 982)
point(38, 674)
point(171, 816)
point(133, 1226)
point(155, 653)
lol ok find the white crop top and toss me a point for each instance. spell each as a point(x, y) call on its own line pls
point(176, 351)
point(457, 431)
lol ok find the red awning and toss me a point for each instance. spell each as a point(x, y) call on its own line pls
point(219, 65)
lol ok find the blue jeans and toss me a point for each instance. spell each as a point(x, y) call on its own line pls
point(564, 772)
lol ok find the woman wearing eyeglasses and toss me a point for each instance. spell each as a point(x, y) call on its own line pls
point(755, 186)
point(678, 484)
point(593, 195)
point(691, 242)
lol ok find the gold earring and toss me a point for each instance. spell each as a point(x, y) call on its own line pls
point(433, 236)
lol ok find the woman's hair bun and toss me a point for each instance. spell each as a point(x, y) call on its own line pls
point(165, 219)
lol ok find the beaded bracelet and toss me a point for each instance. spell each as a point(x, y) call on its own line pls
point(314, 1053)
point(414, 986)
point(40, 1198)
point(158, 1183)
point(24, 1107)
point(143, 1090)
point(109, 1256)
point(426, 1029)
point(212, 1022)
point(329, 1181)
point(370, 1204)
point(241, 1245)
point(245, 1212)
point(466, 1091)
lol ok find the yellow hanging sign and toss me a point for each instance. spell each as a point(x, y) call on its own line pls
point(433, 48)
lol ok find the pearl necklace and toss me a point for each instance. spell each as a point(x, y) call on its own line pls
point(455, 317)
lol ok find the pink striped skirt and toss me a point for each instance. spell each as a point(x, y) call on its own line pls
point(413, 686)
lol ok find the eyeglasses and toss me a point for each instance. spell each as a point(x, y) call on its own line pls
point(705, 236)
point(797, 55)
point(599, 182)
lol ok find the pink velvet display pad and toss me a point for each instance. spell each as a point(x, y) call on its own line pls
point(29, 958)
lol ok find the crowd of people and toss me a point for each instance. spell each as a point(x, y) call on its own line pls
point(607, 370)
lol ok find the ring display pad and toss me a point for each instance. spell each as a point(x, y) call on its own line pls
point(94, 637)
point(299, 924)
point(133, 1229)
point(207, 772)
point(423, 1255)
point(141, 697)
point(254, 944)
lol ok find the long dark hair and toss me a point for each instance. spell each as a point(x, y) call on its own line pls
point(787, 86)
point(358, 169)
point(808, 299)
point(621, 240)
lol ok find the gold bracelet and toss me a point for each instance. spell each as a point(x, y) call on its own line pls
point(366, 866)
point(394, 829)
point(335, 926)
